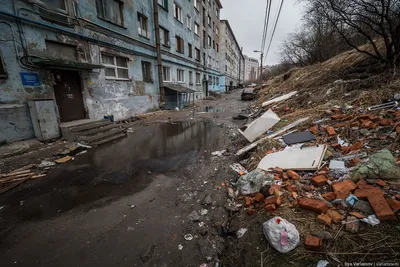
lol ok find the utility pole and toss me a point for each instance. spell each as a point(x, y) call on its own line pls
point(261, 69)
point(158, 50)
point(240, 61)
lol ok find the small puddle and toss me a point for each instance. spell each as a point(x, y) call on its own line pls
point(211, 109)
point(122, 168)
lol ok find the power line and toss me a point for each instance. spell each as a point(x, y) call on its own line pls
point(265, 28)
point(276, 23)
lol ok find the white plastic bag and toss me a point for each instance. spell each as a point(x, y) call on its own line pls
point(281, 234)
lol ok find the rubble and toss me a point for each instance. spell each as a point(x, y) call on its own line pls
point(253, 181)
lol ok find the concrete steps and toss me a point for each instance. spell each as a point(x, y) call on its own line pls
point(93, 133)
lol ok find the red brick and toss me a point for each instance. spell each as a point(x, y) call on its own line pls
point(248, 201)
point(324, 219)
point(337, 117)
point(336, 146)
point(357, 145)
point(366, 192)
point(277, 170)
point(385, 122)
point(397, 196)
point(380, 182)
point(330, 130)
point(259, 197)
point(335, 216)
point(308, 187)
point(294, 175)
point(364, 117)
point(313, 243)
point(314, 129)
point(361, 182)
point(340, 125)
point(354, 162)
point(319, 180)
point(342, 195)
point(366, 186)
point(344, 186)
point(355, 124)
point(336, 111)
point(274, 189)
point(381, 207)
point(292, 188)
point(322, 173)
point(329, 196)
point(357, 215)
point(369, 125)
point(270, 207)
point(317, 206)
point(394, 204)
point(271, 200)
point(375, 118)
point(250, 211)
point(398, 129)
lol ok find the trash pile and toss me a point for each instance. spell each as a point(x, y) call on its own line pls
point(343, 167)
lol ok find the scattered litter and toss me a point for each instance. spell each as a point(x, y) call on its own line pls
point(253, 181)
point(180, 247)
point(203, 212)
point(46, 163)
point(82, 145)
point(371, 220)
point(132, 206)
point(239, 169)
point(288, 127)
point(341, 141)
point(322, 263)
point(188, 237)
point(63, 159)
point(240, 233)
point(350, 157)
point(336, 164)
point(1, 207)
point(281, 234)
point(301, 137)
point(387, 105)
point(218, 153)
point(308, 158)
point(82, 152)
point(194, 216)
point(130, 130)
point(351, 199)
point(279, 99)
point(260, 126)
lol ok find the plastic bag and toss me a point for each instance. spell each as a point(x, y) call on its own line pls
point(281, 234)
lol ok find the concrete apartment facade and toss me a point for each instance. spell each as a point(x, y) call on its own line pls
point(96, 58)
point(232, 65)
point(251, 69)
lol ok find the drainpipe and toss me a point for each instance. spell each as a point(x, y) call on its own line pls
point(158, 50)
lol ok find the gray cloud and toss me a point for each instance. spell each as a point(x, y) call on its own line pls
point(246, 17)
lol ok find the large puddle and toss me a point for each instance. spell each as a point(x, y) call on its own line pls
point(121, 168)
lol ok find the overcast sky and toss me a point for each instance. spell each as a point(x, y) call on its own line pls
point(246, 18)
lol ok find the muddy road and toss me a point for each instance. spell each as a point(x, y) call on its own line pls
point(127, 203)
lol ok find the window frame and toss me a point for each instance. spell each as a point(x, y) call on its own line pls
point(169, 73)
point(148, 79)
point(181, 43)
point(115, 67)
point(3, 75)
point(209, 41)
point(196, 28)
point(190, 50)
point(190, 77)
point(196, 5)
point(164, 5)
point(209, 20)
point(189, 22)
point(140, 18)
point(199, 75)
point(178, 15)
point(121, 12)
point(183, 75)
point(197, 54)
point(165, 34)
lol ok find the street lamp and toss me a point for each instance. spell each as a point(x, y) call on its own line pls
point(261, 68)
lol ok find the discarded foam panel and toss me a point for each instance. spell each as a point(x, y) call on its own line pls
point(295, 138)
point(307, 158)
point(260, 126)
point(279, 99)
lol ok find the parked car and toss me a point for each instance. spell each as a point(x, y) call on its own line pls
point(248, 94)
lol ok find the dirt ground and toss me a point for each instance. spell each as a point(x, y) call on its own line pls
point(127, 203)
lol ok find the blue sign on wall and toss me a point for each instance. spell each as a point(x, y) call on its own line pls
point(30, 78)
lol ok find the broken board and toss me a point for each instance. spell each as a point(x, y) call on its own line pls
point(296, 138)
point(279, 99)
point(307, 158)
point(260, 126)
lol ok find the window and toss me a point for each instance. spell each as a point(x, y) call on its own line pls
point(198, 78)
point(190, 77)
point(226, 68)
point(196, 28)
point(209, 41)
point(204, 39)
point(146, 71)
point(180, 75)
point(115, 67)
point(214, 44)
point(190, 50)
point(217, 64)
point(196, 4)
point(209, 20)
point(3, 72)
point(166, 74)
point(188, 22)
point(204, 17)
point(177, 12)
point(217, 30)
point(217, 47)
point(163, 3)
point(217, 12)
point(197, 54)
point(209, 61)
point(217, 81)
point(164, 37)
point(180, 45)
point(142, 28)
point(213, 80)
point(110, 10)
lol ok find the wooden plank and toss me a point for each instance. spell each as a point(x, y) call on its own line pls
point(14, 173)
point(5, 179)
point(26, 167)
point(2, 191)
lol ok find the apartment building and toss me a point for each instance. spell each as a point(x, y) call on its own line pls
point(96, 58)
point(251, 69)
point(232, 67)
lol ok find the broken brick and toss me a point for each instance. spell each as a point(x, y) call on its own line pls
point(366, 186)
point(294, 175)
point(313, 243)
point(366, 192)
point(250, 211)
point(319, 180)
point(277, 170)
point(397, 196)
point(270, 207)
point(357, 215)
point(380, 182)
point(357, 145)
point(324, 219)
point(336, 117)
point(294, 195)
point(336, 146)
point(270, 200)
point(314, 205)
point(361, 181)
point(259, 197)
point(385, 122)
point(369, 125)
point(308, 187)
point(248, 201)
point(364, 117)
point(394, 204)
point(314, 129)
point(330, 130)
point(336, 111)
point(330, 196)
point(381, 207)
point(344, 186)
point(354, 162)
point(355, 124)
point(274, 189)
point(340, 125)
point(335, 216)
point(292, 188)
point(398, 129)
